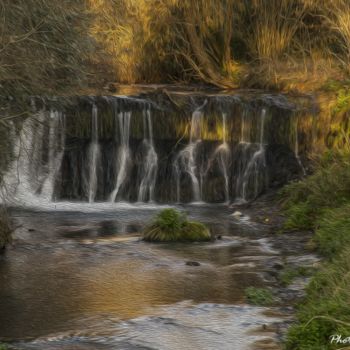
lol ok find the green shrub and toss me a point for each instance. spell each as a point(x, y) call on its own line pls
point(171, 225)
point(259, 296)
point(3, 347)
point(328, 187)
point(333, 233)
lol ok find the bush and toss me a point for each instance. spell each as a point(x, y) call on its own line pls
point(259, 296)
point(333, 233)
point(5, 229)
point(328, 187)
point(171, 225)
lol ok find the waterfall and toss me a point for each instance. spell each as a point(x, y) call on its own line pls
point(123, 152)
point(253, 165)
point(257, 162)
point(224, 151)
point(135, 151)
point(94, 155)
point(55, 152)
point(30, 178)
point(186, 159)
point(149, 172)
point(221, 153)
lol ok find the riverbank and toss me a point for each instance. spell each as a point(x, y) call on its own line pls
point(321, 203)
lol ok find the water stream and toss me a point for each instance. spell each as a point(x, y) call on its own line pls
point(84, 180)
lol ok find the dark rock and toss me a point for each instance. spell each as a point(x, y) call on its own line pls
point(218, 237)
point(31, 229)
point(192, 263)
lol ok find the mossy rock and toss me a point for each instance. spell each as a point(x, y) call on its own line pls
point(171, 225)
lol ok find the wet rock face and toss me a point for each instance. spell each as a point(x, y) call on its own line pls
point(204, 148)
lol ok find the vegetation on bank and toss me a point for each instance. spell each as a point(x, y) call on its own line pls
point(49, 47)
point(259, 296)
point(321, 203)
point(171, 225)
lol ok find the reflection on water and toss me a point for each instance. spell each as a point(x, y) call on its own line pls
point(90, 282)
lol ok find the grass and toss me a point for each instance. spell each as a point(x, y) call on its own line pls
point(3, 347)
point(321, 203)
point(287, 275)
point(171, 225)
point(259, 296)
point(328, 188)
point(5, 229)
point(326, 309)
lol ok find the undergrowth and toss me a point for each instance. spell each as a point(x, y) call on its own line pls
point(321, 203)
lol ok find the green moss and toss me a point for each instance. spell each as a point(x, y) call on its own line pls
point(171, 225)
point(3, 347)
point(259, 296)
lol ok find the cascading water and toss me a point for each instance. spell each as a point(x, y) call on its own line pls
point(251, 177)
point(32, 174)
point(123, 152)
point(221, 154)
point(186, 159)
point(149, 171)
point(133, 151)
point(94, 155)
point(56, 151)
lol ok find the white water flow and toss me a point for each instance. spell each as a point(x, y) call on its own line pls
point(30, 178)
point(256, 165)
point(94, 156)
point(151, 162)
point(222, 153)
point(56, 151)
point(123, 152)
point(296, 148)
point(244, 144)
point(186, 160)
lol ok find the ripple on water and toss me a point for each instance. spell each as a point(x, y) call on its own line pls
point(180, 326)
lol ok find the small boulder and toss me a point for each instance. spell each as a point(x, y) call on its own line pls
point(192, 263)
point(237, 214)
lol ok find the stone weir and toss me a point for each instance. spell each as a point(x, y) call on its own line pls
point(159, 147)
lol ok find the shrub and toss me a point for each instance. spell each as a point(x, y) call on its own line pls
point(333, 233)
point(171, 225)
point(327, 188)
point(259, 296)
